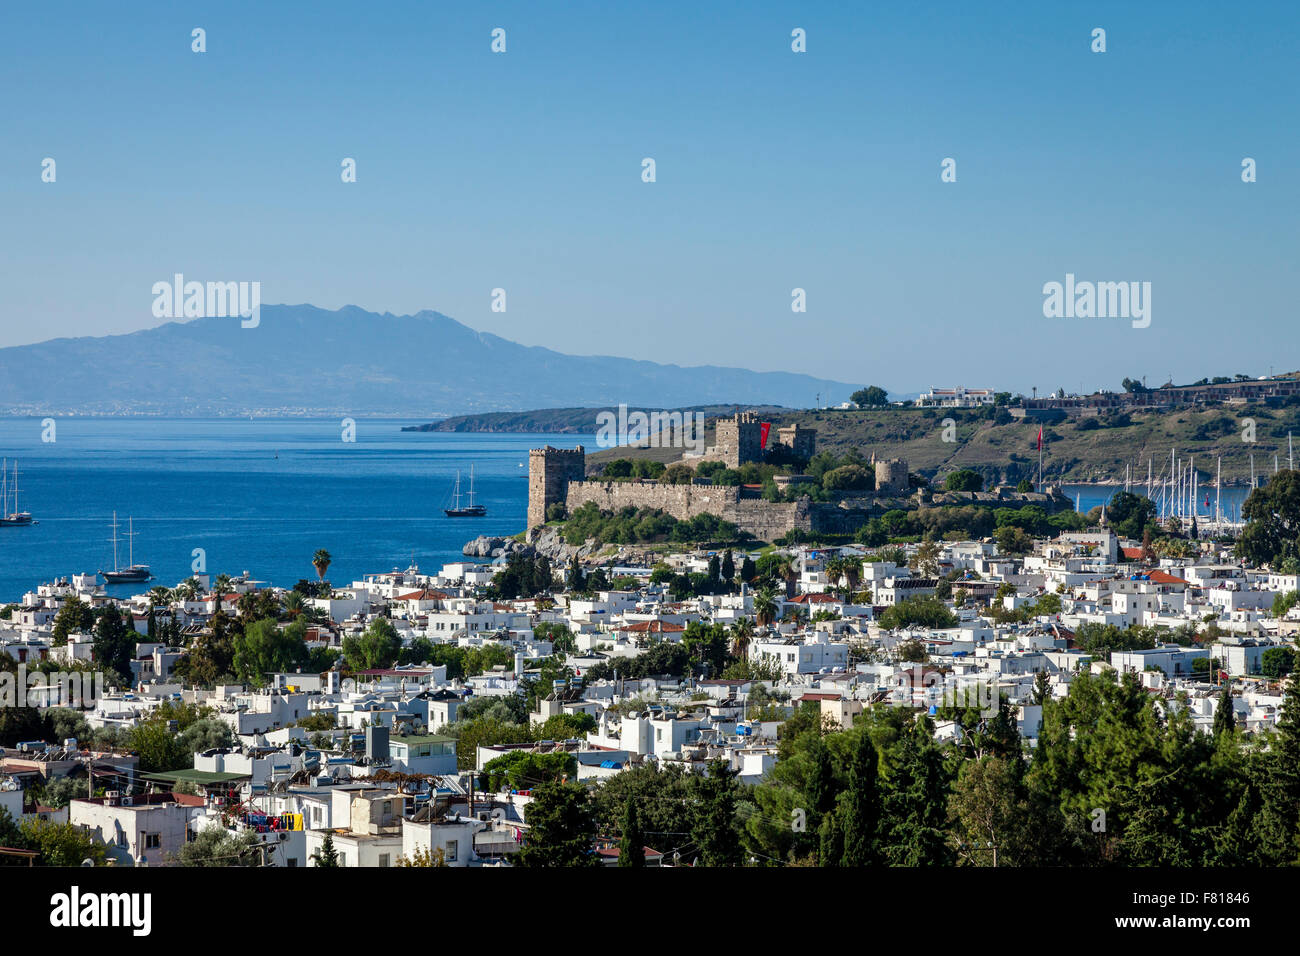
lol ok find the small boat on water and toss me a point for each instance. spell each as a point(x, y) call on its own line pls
point(470, 511)
point(11, 517)
point(133, 572)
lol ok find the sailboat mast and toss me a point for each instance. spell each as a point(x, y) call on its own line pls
point(1218, 493)
point(471, 486)
point(115, 541)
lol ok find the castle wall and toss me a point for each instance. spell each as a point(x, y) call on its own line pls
point(681, 501)
point(763, 519)
point(550, 472)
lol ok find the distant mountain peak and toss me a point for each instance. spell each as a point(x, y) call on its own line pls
point(302, 359)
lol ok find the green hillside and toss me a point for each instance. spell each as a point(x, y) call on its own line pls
point(1075, 450)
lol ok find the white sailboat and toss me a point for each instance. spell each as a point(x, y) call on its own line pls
point(133, 572)
point(470, 511)
point(11, 516)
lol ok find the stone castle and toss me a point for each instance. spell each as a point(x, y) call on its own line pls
point(550, 472)
point(739, 440)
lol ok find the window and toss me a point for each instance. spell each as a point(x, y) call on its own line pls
point(383, 859)
point(452, 847)
point(152, 841)
point(291, 862)
point(343, 857)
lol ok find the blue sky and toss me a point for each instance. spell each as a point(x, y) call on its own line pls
point(775, 170)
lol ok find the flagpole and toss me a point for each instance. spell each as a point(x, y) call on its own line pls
point(1040, 458)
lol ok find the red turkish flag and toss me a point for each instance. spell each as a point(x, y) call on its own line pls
point(1040, 437)
point(763, 429)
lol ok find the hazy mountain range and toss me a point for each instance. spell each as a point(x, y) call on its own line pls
point(304, 360)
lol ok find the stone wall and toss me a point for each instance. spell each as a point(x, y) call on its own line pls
point(550, 472)
point(681, 501)
point(763, 519)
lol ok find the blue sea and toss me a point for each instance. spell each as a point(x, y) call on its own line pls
point(1088, 497)
point(262, 495)
point(256, 495)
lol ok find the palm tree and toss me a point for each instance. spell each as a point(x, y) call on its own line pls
point(220, 586)
point(836, 571)
point(321, 562)
point(765, 605)
point(187, 590)
point(160, 596)
point(783, 568)
point(741, 634)
point(293, 604)
point(852, 574)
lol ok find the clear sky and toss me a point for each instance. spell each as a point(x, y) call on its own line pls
point(775, 170)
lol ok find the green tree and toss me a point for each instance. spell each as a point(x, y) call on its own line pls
point(561, 827)
point(964, 479)
point(60, 844)
point(321, 561)
point(870, 397)
point(377, 647)
point(861, 808)
point(715, 830)
point(216, 847)
point(1272, 515)
point(1129, 514)
point(266, 648)
point(326, 856)
point(73, 616)
point(631, 845)
point(1224, 721)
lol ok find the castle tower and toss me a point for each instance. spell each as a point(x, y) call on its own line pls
point(891, 477)
point(738, 439)
point(800, 439)
point(549, 472)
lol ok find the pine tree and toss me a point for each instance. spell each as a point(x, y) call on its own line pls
point(916, 802)
point(1224, 721)
point(576, 579)
point(562, 827)
point(1279, 818)
point(862, 808)
point(631, 848)
point(715, 831)
point(714, 571)
point(326, 856)
point(831, 835)
point(821, 781)
point(728, 568)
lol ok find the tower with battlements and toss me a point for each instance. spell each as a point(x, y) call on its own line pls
point(549, 472)
point(737, 440)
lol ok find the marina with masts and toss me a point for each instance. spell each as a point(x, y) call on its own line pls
point(1177, 491)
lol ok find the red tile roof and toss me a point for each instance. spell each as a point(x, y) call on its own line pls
point(653, 627)
point(814, 599)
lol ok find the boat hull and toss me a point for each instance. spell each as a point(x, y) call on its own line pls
point(477, 511)
point(130, 576)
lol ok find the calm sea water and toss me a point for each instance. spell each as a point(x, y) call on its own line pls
point(258, 496)
point(1089, 496)
point(262, 496)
